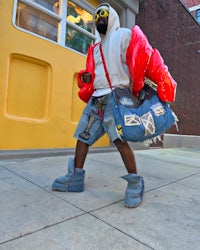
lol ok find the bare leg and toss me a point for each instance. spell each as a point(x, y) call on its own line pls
point(127, 156)
point(80, 154)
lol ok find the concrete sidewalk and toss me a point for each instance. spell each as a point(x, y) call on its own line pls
point(32, 216)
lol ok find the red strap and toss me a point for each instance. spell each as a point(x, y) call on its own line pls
point(104, 65)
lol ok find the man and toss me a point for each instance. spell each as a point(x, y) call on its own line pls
point(129, 59)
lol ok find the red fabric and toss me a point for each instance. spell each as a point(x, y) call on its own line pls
point(158, 72)
point(143, 61)
point(87, 89)
point(137, 56)
point(86, 92)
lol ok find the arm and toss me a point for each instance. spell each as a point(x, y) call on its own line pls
point(158, 72)
point(85, 77)
point(144, 61)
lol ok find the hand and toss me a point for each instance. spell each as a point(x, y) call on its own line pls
point(86, 77)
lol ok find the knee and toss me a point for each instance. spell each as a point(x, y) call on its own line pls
point(120, 145)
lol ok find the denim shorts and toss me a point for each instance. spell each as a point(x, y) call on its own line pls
point(99, 126)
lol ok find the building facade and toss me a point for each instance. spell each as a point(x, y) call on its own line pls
point(194, 8)
point(43, 45)
point(171, 28)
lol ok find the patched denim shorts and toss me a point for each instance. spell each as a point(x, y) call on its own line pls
point(99, 126)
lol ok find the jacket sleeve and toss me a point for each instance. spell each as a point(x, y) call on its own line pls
point(158, 72)
point(144, 61)
point(137, 56)
point(86, 89)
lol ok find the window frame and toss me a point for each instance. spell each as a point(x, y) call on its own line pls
point(198, 15)
point(61, 18)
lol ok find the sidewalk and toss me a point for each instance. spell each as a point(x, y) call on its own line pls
point(33, 217)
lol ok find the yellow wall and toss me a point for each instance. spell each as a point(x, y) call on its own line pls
point(39, 106)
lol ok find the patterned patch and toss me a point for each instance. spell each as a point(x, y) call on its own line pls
point(126, 101)
point(132, 120)
point(148, 122)
point(158, 109)
point(119, 129)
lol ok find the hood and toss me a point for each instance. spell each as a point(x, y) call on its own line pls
point(113, 20)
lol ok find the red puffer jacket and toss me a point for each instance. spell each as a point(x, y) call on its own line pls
point(143, 61)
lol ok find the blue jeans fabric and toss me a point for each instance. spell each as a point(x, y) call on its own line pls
point(99, 126)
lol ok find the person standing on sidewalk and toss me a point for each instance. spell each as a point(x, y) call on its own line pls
point(129, 58)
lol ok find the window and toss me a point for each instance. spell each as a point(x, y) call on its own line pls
point(36, 21)
point(198, 15)
point(81, 18)
point(69, 23)
point(51, 5)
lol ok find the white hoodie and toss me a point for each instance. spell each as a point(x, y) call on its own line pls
point(114, 44)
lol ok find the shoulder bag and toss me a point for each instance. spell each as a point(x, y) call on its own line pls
point(139, 119)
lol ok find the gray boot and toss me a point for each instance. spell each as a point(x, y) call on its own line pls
point(134, 191)
point(73, 181)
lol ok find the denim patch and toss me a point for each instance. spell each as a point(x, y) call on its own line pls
point(95, 125)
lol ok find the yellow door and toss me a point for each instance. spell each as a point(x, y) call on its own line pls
point(39, 106)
